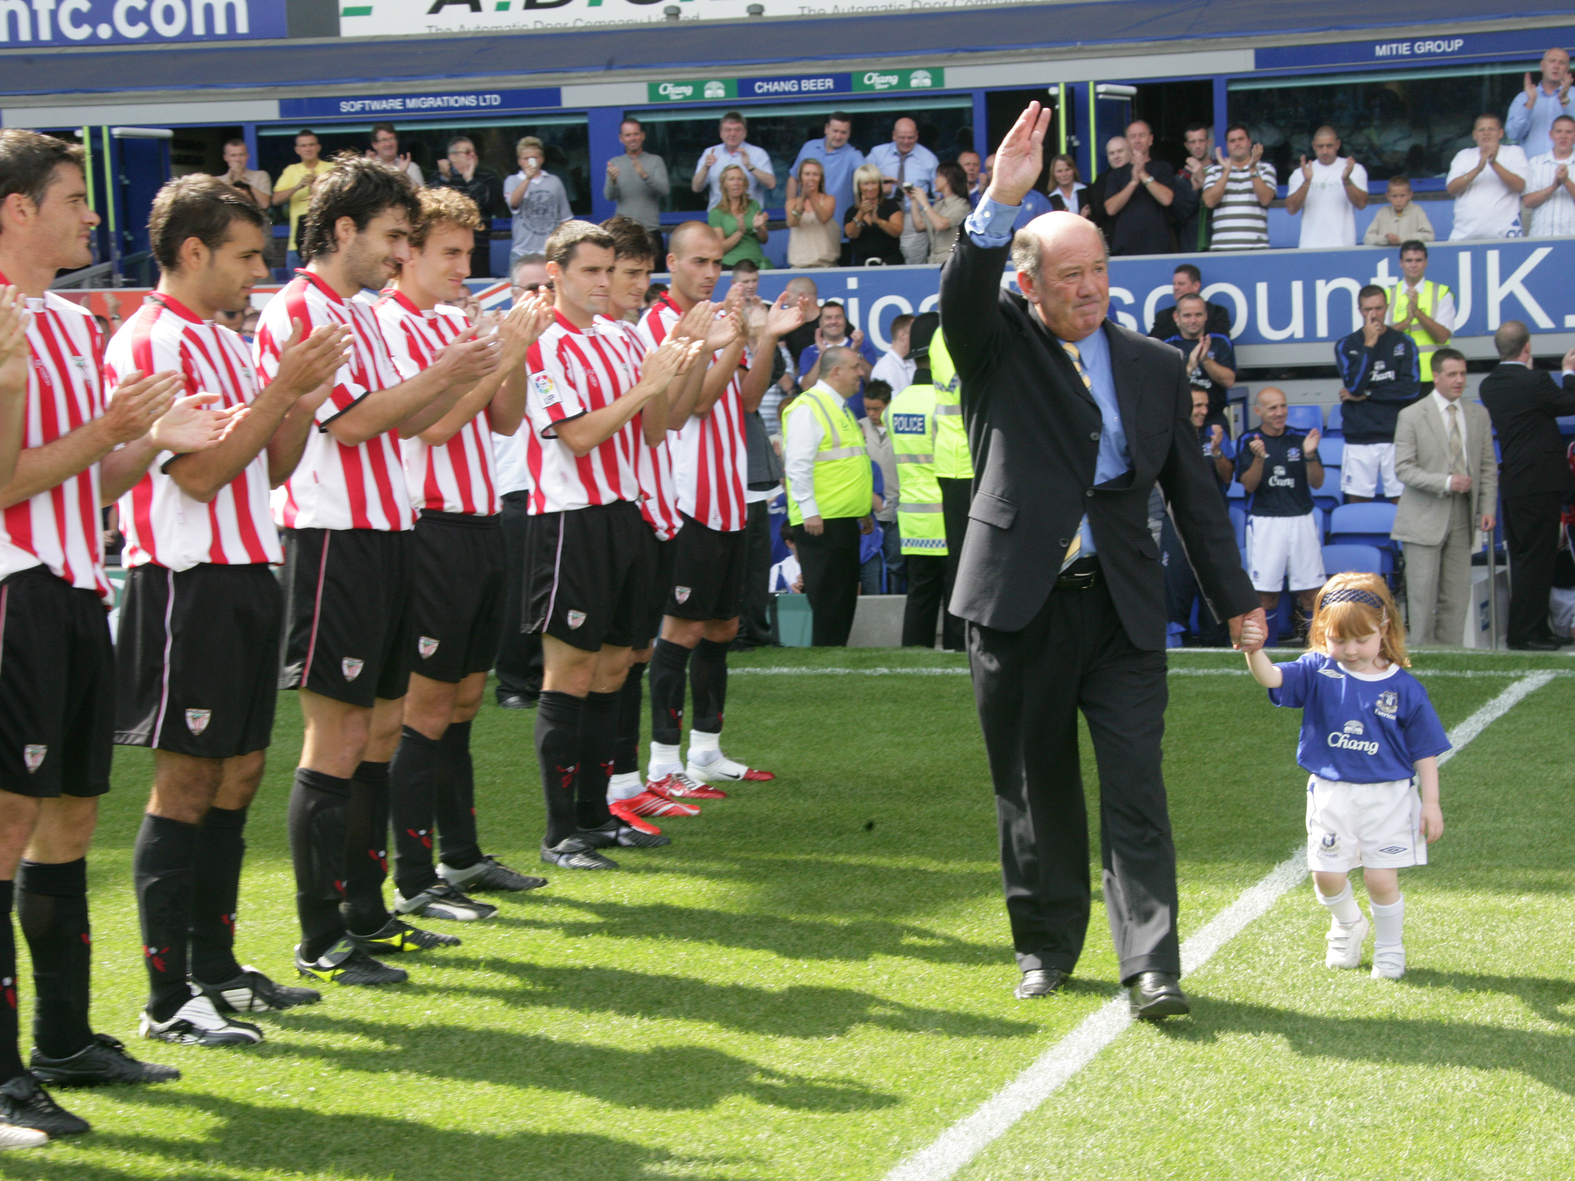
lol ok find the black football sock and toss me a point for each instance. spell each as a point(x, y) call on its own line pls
point(415, 777)
point(626, 754)
point(318, 826)
point(51, 902)
point(215, 895)
point(598, 736)
point(669, 677)
point(366, 849)
point(10, 1026)
point(162, 868)
point(708, 682)
point(558, 751)
point(455, 806)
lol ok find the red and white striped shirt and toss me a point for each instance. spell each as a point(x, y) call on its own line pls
point(573, 373)
point(709, 454)
point(335, 486)
point(59, 527)
point(161, 523)
point(458, 476)
point(653, 466)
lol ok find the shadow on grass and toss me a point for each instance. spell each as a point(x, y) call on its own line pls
point(1543, 995)
point(795, 1011)
point(319, 1144)
point(667, 1078)
point(1388, 1041)
point(799, 939)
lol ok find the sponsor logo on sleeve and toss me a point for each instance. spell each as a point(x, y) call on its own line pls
point(545, 388)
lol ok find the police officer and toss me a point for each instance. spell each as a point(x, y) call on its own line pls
point(953, 472)
point(921, 519)
point(831, 491)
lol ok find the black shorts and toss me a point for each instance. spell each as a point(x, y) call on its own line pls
point(587, 575)
point(708, 573)
point(666, 553)
point(347, 613)
point(458, 594)
point(196, 661)
point(57, 688)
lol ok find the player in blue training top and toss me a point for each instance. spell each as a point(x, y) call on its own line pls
point(1367, 728)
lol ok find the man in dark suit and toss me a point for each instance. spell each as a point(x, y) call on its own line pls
point(1534, 476)
point(1071, 420)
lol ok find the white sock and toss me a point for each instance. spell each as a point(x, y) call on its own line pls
point(625, 786)
point(1388, 923)
point(1342, 906)
point(664, 760)
point(704, 747)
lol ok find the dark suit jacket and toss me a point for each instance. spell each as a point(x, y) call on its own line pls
point(1033, 429)
point(1524, 405)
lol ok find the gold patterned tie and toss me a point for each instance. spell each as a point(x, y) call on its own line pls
point(1088, 383)
point(1457, 450)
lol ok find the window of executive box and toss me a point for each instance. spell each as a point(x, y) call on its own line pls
point(565, 138)
point(680, 136)
point(1409, 122)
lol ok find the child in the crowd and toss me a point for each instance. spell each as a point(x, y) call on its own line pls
point(1401, 221)
point(1367, 728)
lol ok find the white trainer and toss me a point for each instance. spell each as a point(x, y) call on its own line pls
point(1389, 962)
point(12, 1136)
point(198, 1023)
point(1345, 943)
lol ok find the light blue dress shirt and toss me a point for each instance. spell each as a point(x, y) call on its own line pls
point(990, 225)
point(920, 170)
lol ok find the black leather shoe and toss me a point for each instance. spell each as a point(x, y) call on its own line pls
point(516, 701)
point(1038, 982)
point(1537, 646)
point(1157, 995)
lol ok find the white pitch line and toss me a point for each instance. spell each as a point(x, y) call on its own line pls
point(780, 671)
point(956, 1147)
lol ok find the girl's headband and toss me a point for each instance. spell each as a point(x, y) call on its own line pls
point(1352, 594)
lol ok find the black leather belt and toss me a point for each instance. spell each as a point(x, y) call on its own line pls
point(1083, 574)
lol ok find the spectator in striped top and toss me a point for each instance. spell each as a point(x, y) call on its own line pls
point(1549, 185)
point(346, 517)
point(1239, 188)
point(589, 558)
point(200, 620)
point(57, 678)
point(707, 590)
point(458, 564)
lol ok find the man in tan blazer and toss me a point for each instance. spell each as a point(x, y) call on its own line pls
point(1444, 457)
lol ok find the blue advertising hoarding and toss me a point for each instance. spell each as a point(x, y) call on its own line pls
point(405, 106)
point(67, 23)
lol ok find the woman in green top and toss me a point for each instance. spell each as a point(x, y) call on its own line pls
point(740, 220)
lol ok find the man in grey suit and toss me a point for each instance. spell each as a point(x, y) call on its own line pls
point(1072, 420)
point(1444, 457)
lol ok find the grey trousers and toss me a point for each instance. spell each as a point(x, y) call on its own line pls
point(1438, 579)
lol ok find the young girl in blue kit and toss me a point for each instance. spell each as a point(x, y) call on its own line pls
point(1367, 729)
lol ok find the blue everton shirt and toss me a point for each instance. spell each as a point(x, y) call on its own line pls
point(1368, 728)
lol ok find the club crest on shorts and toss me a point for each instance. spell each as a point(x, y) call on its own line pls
point(33, 756)
point(426, 645)
point(351, 667)
point(681, 593)
point(197, 720)
point(1327, 846)
point(1388, 704)
point(575, 618)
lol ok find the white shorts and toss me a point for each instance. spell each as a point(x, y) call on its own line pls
point(1281, 548)
point(1367, 465)
point(1377, 825)
point(1561, 606)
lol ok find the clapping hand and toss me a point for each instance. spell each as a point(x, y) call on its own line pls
point(857, 340)
point(307, 365)
point(1199, 352)
point(138, 403)
point(1310, 443)
point(14, 318)
point(786, 314)
point(1216, 439)
point(710, 158)
point(189, 424)
point(1561, 174)
point(1258, 448)
point(522, 327)
point(468, 358)
point(761, 221)
point(1532, 87)
point(1221, 158)
point(612, 170)
point(1257, 154)
point(1350, 167)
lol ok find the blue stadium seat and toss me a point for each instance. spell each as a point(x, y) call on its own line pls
point(1238, 518)
point(1236, 495)
point(1366, 524)
point(1358, 559)
point(1334, 426)
point(1329, 496)
point(1331, 450)
point(1304, 418)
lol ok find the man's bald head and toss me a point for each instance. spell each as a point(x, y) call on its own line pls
point(679, 241)
point(803, 285)
point(905, 134)
point(1064, 272)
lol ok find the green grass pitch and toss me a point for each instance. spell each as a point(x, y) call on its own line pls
point(814, 981)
